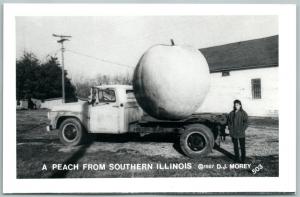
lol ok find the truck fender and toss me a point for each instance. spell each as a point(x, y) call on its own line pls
point(61, 118)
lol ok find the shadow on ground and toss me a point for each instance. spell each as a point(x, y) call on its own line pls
point(71, 160)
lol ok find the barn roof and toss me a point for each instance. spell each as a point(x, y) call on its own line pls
point(258, 53)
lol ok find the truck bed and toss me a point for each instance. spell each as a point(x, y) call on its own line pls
point(149, 124)
point(197, 117)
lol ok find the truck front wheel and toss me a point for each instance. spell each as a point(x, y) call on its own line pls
point(196, 141)
point(71, 132)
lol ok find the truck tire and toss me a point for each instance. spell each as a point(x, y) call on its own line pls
point(197, 141)
point(71, 132)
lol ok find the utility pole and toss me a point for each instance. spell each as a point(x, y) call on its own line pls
point(62, 39)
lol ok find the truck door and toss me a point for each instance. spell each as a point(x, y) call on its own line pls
point(104, 113)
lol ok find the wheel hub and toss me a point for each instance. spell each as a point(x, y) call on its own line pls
point(70, 132)
point(196, 142)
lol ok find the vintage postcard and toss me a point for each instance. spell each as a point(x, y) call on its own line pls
point(146, 98)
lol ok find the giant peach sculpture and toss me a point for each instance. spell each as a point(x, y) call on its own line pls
point(170, 82)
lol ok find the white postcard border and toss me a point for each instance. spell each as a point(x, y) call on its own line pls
point(286, 182)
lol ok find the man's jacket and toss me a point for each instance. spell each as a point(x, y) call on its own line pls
point(237, 123)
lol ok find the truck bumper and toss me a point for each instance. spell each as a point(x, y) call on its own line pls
point(49, 128)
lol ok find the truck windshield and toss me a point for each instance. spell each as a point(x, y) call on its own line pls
point(107, 95)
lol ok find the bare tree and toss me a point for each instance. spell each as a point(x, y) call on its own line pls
point(83, 85)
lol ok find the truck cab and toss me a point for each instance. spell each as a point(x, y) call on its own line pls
point(112, 108)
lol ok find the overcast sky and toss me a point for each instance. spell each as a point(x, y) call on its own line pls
point(124, 39)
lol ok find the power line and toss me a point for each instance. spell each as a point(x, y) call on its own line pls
point(99, 59)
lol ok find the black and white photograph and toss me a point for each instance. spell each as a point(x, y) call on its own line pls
point(147, 96)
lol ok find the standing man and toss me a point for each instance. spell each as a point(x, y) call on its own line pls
point(237, 125)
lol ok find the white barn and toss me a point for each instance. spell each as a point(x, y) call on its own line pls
point(247, 71)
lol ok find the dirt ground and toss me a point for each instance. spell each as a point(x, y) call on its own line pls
point(37, 148)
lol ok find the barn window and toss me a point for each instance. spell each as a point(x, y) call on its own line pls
point(225, 73)
point(256, 88)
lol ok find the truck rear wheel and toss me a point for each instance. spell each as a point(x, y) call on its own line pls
point(71, 132)
point(197, 141)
